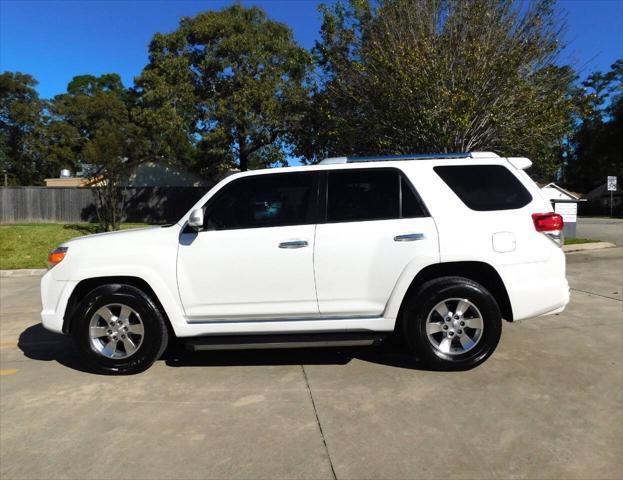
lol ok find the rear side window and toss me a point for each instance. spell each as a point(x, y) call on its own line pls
point(370, 194)
point(485, 187)
point(411, 205)
point(263, 201)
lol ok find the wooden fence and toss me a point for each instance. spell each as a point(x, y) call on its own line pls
point(142, 204)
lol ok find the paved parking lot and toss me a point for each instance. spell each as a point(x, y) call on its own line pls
point(548, 404)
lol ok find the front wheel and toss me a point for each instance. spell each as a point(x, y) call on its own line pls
point(452, 323)
point(119, 329)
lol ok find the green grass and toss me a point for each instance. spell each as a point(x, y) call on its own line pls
point(27, 245)
point(575, 241)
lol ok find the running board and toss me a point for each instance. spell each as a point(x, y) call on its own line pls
point(304, 340)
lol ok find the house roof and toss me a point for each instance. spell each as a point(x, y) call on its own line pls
point(571, 194)
point(64, 182)
point(602, 190)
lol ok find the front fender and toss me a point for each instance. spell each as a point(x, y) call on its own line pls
point(163, 285)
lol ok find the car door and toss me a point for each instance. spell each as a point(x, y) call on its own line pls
point(375, 225)
point(254, 257)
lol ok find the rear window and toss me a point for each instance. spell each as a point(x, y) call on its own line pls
point(485, 187)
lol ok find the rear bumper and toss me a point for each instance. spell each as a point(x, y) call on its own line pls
point(54, 297)
point(538, 288)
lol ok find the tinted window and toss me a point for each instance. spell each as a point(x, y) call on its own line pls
point(485, 187)
point(411, 205)
point(263, 201)
point(362, 195)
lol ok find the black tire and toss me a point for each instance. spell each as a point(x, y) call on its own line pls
point(154, 339)
point(432, 293)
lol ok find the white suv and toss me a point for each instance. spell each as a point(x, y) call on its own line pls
point(435, 248)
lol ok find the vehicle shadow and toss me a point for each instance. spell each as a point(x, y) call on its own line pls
point(38, 343)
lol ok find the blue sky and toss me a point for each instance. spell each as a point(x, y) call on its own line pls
point(55, 40)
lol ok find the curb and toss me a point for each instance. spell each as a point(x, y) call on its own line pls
point(24, 272)
point(580, 247)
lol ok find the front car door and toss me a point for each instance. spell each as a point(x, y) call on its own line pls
point(375, 226)
point(254, 258)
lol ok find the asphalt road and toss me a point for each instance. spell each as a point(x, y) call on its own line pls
point(604, 229)
point(548, 404)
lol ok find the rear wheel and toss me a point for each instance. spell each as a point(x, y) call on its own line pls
point(452, 323)
point(119, 329)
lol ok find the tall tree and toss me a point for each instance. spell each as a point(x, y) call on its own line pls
point(20, 116)
point(597, 143)
point(401, 76)
point(95, 119)
point(232, 81)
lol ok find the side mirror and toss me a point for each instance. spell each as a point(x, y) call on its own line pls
point(195, 220)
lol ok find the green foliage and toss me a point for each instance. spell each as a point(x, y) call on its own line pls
point(403, 76)
point(95, 123)
point(231, 82)
point(231, 88)
point(20, 119)
point(597, 143)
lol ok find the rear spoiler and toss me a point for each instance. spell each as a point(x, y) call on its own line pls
point(522, 163)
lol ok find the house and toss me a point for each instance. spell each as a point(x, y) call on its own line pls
point(551, 191)
point(598, 201)
point(65, 182)
point(565, 203)
point(147, 174)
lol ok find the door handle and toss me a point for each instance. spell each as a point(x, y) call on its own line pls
point(409, 237)
point(294, 244)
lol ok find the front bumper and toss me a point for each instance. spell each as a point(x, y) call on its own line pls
point(54, 297)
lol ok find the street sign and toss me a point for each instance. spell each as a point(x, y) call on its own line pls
point(612, 183)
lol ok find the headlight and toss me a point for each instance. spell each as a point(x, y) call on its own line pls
point(56, 256)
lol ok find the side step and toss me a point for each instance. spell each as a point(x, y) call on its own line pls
point(298, 340)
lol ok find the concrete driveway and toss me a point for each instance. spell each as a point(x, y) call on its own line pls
point(604, 229)
point(548, 404)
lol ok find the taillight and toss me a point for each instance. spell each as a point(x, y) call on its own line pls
point(551, 225)
point(56, 256)
point(547, 222)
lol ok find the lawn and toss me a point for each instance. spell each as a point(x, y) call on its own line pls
point(575, 241)
point(27, 246)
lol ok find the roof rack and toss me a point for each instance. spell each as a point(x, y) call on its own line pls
point(415, 156)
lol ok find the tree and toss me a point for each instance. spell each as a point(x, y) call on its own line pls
point(230, 82)
point(597, 142)
point(401, 76)
point(95, 119)
point(20, 116)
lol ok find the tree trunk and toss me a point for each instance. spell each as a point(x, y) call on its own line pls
point(244, 160)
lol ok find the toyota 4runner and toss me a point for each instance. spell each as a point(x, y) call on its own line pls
point(435, 249)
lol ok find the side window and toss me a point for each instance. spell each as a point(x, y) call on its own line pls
point(357, 195)
point(263, 201)
point(411, 205)
point(485, 187)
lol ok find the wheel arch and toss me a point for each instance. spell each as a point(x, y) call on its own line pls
point(480, 272)
point(84, 287)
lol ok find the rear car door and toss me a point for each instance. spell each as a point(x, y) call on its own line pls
point(254, 258)
point(374, 226)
